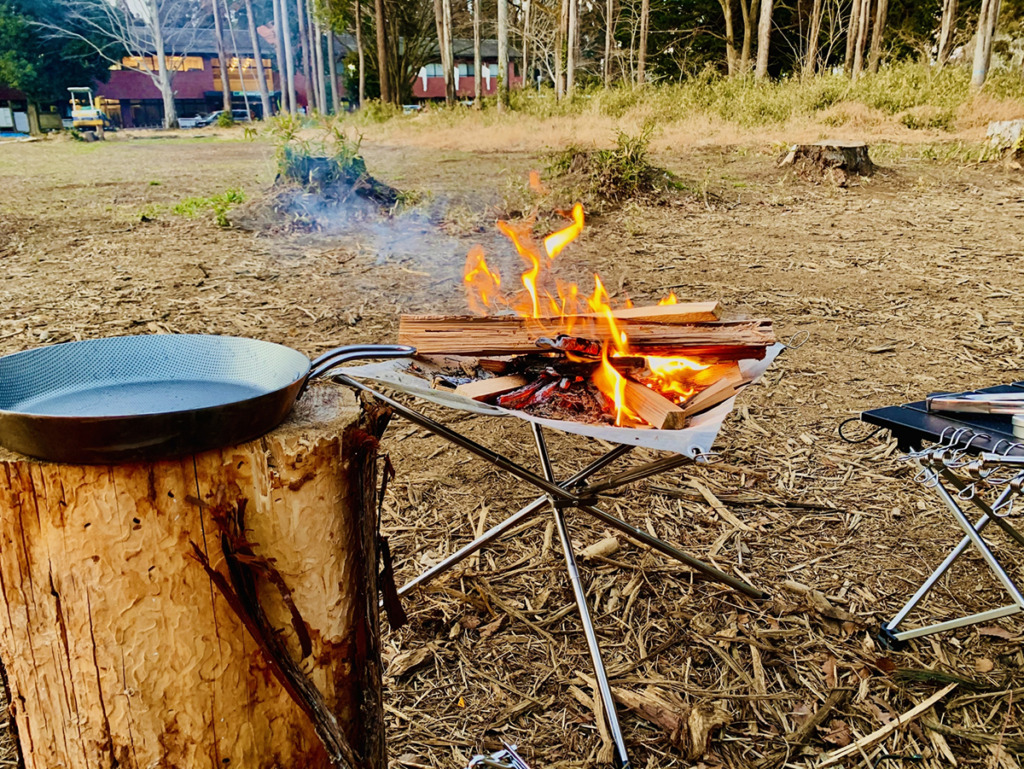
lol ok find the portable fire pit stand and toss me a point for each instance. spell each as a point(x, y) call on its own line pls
point(559, 497)
point(968, 454)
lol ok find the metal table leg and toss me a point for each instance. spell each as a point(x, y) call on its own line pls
point(604, 688)
point(972, 536)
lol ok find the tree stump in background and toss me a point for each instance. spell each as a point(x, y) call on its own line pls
point(830, 160)
point(120, 647)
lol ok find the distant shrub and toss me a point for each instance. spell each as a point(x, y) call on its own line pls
point(225, 119)
point(218, 204)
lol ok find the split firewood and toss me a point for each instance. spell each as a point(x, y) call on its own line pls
point(603, 548)
point(505, 335)
point(483, 389)
point(653, 407)
point(726, 387)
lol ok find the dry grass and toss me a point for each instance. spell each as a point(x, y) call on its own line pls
point(907, 283)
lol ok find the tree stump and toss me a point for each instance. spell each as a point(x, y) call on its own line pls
point(121, 649)
point(830, 160)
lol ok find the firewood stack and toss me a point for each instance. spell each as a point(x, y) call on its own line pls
point(548, 366)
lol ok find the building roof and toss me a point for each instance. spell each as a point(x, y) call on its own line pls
point(463, 49)
point(197, 41)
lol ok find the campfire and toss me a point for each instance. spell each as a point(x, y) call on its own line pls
point(555, 350)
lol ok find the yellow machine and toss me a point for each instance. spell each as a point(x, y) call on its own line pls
point(86, 110)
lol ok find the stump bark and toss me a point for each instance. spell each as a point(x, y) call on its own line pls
point(830, 159)
point(120, 649)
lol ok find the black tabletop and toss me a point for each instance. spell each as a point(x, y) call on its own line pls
point(912, 424)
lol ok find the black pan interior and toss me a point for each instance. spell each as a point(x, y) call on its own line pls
point(135, 375)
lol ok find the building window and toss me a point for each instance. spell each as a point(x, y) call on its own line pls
point(466, 70)
point(434, 70)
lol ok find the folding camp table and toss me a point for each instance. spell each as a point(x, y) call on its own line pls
point(963, 457)
point(692, 445)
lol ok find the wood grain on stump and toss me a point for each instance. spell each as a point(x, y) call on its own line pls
point(119, 650)
point(830, 159)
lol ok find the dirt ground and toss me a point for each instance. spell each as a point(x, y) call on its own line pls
point(906, 283)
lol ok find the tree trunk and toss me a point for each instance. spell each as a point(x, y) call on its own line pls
point(748, 10)
point(261, 75)
point(987, 20)
point(477, 60)
point(852, 33)
point(881, 14)
point(563, 22)
point(730, 37)
point(166, 92)
point(527, 64)
point(360, 52)
point(289, 57)
point(764, 31)
point(502, 55)
point(238, 58)
point(132, 656)
point(863, 25)
point(641, 59)
point(570, 53)
point(609, 36)
point(332, 65)
point(813, 36)
point(321, 69)
point(443, 40)
point(282, 67)
point(382, 52)
point(451, 91)
point(225, 84)
point(947, 31)
point(300, 14)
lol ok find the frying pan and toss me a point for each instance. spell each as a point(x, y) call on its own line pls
point(133, 398)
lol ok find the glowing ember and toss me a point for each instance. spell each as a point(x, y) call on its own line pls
point(557, 311)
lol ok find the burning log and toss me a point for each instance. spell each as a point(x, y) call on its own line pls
point(654, 408)
point(125, 647)
point(719, 391)
point(507, 335)
point(485, 389)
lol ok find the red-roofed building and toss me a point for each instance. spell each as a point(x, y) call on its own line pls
point(429, 83)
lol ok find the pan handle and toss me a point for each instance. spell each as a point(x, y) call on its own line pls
point(340, 355)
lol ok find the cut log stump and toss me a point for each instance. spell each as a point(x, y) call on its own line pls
point(121, 649)
point(832, 160)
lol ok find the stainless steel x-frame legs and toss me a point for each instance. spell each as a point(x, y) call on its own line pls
point(559, 497)
point(972, 531)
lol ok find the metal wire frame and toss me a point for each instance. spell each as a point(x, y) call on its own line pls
point(936, 476)
point(575, 493)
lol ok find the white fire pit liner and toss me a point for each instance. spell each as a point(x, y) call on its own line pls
point(691, 440)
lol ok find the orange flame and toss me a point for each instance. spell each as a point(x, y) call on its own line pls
point(556, 241)
point(559, 311)
point(536, 184)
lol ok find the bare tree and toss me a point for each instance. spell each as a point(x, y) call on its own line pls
point(731, 59)
point(238, 56)
point(527, 64)
point(881, 13)
point(300, 16)
point(863, 25)
point(281, 9)
point(279, 49)
point(332, 65)
point(641, 59)
point(360, 52)
point(764, 31)
point(321, 70)
point(110, 29)
point(559, 48)
point(852, 33)
point(261, 75)
point(382, 51)
point(987, 20)
point(570, 54)
point(477, 63)
point(502, 55)
point(609, 37)
point(947, 31)
point(222, 60)
point(443, 20)
point(813, 39)
point(748, 12)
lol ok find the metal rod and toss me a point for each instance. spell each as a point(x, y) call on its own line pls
point(636, 474)
point(998, 520)
point(509, 523)
point(666, 549)
point(943, 567)
point(600, 674)
point(985, 616)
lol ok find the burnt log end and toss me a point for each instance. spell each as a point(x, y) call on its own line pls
point(830, 159)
